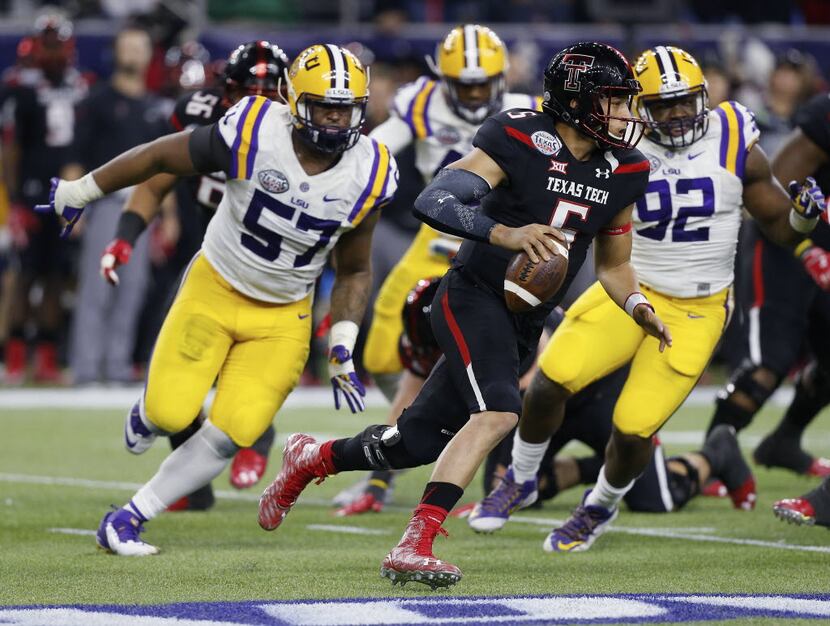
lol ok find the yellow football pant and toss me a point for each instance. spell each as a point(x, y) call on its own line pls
point(257, 350)
point(597, 337)
point(380, 355)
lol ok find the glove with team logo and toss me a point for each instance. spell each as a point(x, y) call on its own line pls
point(67, 199)
point(344, 380)
point(808, 203)
point(816, 262)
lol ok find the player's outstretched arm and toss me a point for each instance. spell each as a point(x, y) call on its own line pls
point(612, 260)
point(784, 217)
point(170, 154)
point(142, 207)
point(447, 205)
point(349, 297)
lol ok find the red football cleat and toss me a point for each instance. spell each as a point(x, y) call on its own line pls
point(714, 489)
point(247, 468)
point(795, 511)
point(366, 503)
point(745, 496)
point(302, 462)
point(412, 558)
point(46, 363)
point(820, 467)
point(15, 361)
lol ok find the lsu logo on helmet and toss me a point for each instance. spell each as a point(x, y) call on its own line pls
point(471, 55)
point(672, 79)
point(322, 78)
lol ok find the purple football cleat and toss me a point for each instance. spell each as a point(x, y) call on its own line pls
point(492, 513)
point(582, 528)
point(119, 533)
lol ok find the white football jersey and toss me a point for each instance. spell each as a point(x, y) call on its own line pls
point(686, 225)
point(421, 113)
point(276, 224)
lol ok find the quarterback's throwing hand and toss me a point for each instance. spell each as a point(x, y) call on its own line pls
point(58, 204)
point(344, 380)
point(645, 316)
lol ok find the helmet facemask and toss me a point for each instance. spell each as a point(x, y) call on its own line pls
point(330, 139)
point(475, 113)
point(676, 132)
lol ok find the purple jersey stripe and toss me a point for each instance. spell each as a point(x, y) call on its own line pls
point(408, 117)
point(724, 135)
point(426, 110)
point(252, 150)
point(363, 196)
point(237, 141)
point(740, 161)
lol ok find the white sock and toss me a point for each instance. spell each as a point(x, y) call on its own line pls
point(194, 464)
point(527, 457)
point(606, 495)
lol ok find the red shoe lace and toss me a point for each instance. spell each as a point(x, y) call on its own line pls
point(431, 528)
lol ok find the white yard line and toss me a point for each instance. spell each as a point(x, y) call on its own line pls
point(72, 531)
point(688, 534)
point(348, 530)
point(302, 397)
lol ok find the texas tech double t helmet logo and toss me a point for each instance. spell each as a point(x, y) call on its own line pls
point(576, 64)
point(580, 82)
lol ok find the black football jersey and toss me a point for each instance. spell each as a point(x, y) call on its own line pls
point(547, 185)
point(814, 121)
point(201, 108)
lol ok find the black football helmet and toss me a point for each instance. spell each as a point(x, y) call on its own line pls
point(418, 349)
point(579, 84)
point(256, 68)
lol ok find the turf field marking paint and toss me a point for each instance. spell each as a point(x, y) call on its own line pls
point(72, 531)
point(801, 606)
point(349, 530)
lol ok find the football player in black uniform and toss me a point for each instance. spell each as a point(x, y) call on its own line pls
point(803, 306)
point(253, 68)
point(566, 175)
point(787, 309)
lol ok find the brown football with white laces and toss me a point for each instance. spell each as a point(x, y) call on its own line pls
point(528, 284)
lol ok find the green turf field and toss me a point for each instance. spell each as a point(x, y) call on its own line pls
point(224, 555)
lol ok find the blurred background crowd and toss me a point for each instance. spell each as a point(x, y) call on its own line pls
point(86, 80)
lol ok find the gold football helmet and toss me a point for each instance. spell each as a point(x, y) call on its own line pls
point(325, 76)
point(471, 62)
point(674, 102)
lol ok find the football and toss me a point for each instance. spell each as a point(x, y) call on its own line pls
point(528, 284)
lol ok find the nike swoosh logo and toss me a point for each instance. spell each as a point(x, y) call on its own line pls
point(567, 546)
point(694, 156)
point(302, 317)
point(327, 199)
point(692, 316)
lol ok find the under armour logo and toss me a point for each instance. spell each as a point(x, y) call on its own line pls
point(576, 64)
point(602, 172)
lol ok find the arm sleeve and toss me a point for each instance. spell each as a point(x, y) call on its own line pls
point(208, 151)
point(812, 119)
point(446, 205)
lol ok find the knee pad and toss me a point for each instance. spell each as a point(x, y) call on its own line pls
point(814, 380)
point(683, 487)
point(219, 441)
point(384, 449)
point(728, 412)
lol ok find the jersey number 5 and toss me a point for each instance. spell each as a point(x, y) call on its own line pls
point(267, 244)
point(663, 213)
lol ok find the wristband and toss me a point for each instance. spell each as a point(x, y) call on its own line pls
point(79, 193)
point(130, 226)
point(343, 333)
point(801, 224)
point(633, 300)
point(803, 247)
